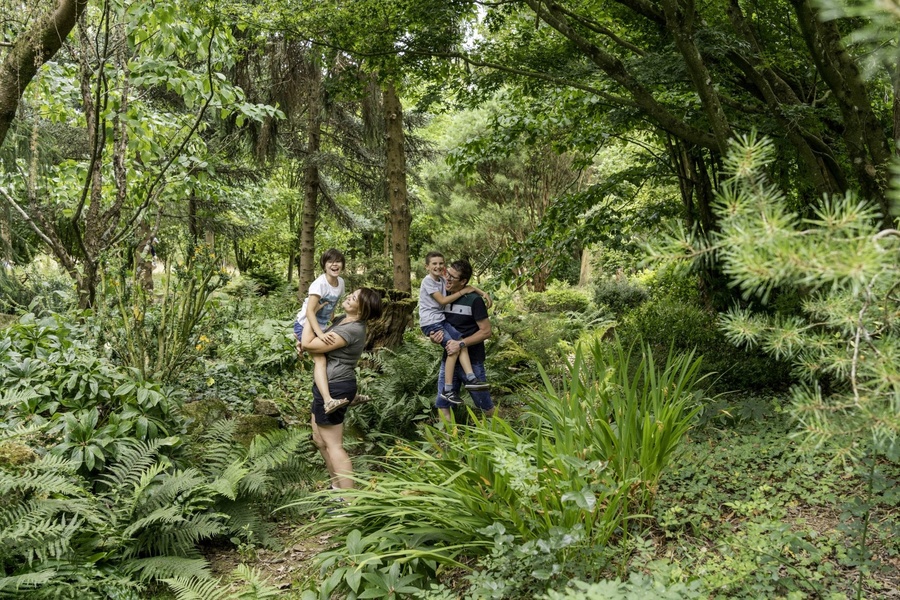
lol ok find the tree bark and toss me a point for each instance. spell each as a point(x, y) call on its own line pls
point(396, 317)
point(680, 24)
point(31, 50)
point(864, 136)
point(306, 265)
point(397, 192)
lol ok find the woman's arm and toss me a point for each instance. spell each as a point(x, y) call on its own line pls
point(324, 345)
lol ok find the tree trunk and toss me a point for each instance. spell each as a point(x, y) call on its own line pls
point(143, 258)
point(306, 267)
point(864, 136)
point(31, 50)
point(5, 235)
point(396, 317)
point(397, 193)
point(585, 275)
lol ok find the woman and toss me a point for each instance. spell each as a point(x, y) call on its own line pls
point(342, 345)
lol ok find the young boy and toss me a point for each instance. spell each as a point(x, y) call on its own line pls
point(318, 310)
point(432, 300)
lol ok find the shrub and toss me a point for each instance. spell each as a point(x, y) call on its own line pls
point(557, 299)
point(90, 406)
point(403, 389)
point(266, 279)
point(34, 289)
point(673, 323)
point(618, 294)
point(848, 271)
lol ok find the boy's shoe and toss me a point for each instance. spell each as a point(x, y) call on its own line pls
point(476, 385)
point(451, 396)
point(333, 404)
point(359, 399)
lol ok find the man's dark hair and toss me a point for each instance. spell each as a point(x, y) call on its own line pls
point(332, 255)
point(464, 269)
point(431, 255)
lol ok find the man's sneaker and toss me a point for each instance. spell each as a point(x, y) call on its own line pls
point(337, 508)
point(476, 385)
point(451, 396)
point(359, 399)
point(333, 404)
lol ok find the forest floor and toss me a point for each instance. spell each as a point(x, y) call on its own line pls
point(741, 508)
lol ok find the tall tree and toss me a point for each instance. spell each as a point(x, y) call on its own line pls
point(311, 180)
point(398, 200)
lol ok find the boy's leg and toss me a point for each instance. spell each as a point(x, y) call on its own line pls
point(465, 363)
point(450, 332)
point(449, 393)
point(471, 379)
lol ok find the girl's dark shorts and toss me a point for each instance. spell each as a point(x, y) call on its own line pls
point(339, 389)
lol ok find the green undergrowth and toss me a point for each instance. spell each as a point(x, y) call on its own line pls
point(748, 515)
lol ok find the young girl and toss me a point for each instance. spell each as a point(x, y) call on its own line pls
point(318, 310)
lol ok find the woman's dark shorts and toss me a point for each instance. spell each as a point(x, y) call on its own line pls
point(339, 389)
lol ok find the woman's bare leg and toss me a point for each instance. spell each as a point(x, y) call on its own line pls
point(329, 439)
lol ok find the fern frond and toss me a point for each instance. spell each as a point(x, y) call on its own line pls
point(25, 581)
point(219, 448)
point(244, 516)
point(255, 483)
point(132, 462)
point(50, 475)
point(270, 449)
point(17, 396)
point(166, 490)
point(196, 589)
point(162, 567)
point(166, 514)
point(180, 536)
point(228, 482)
point(255, 587)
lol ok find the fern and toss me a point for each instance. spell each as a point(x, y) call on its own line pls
point(162, 567)
point(251, 587)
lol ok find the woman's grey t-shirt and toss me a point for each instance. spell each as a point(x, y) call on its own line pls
point(341, 363)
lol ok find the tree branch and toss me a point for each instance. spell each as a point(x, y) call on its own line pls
point(29, 51)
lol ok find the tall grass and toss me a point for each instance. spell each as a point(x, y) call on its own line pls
point(619, 407)
point(584, 460)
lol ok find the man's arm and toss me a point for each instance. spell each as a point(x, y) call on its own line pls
point(483, 333)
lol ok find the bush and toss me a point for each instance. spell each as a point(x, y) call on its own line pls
point(267, 280)
point(683, 326)
point(34, 288)
point(619, 294)
point(404, 389)
point(557, 300)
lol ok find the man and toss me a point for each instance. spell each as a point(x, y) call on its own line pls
point(469, 316)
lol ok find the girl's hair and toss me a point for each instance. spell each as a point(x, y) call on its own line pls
point(332, 255)
point(369, 304)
